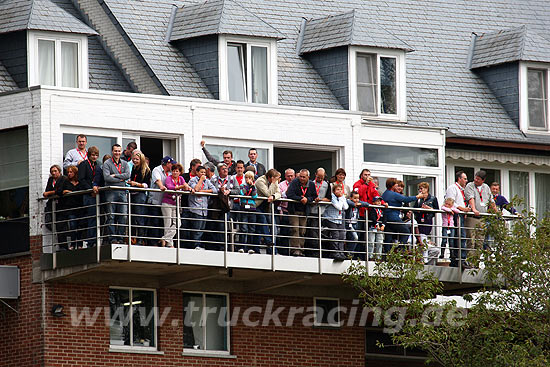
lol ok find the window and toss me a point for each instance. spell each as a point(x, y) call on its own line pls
point(519, 185)
point(59, 59)
point(376, 336)
point(133, 320)
point(238, 153)
point(537, 99)
point(206, 325)
point(400, 155)
point(542, 194)
point(103, 143)
point(378, 83)
point(327, 312)
point(248, 71)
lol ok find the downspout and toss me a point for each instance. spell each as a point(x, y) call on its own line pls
point(471, 50)
point(171, 23)
point(301, 36)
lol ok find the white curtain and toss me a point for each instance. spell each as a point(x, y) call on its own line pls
point(69, 64)
point(519, 185)
point(46, 62)
point(235, 73)
point(259, 74)
point(542, 192)
point(366, 83)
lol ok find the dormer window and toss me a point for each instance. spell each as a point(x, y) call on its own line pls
point(58, 59)
point(248, 70)
point(377, 82)
point(534, 106)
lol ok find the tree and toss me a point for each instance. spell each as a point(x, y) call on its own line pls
point(508, 323)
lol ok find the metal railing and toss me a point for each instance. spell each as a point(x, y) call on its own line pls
point(127, 216)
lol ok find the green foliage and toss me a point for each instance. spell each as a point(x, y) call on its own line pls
point(508, 323)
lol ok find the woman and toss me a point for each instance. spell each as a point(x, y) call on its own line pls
point(55, 176)
point(69, 209)
point(169, 209)
point(338, 179)
point(394, 224)
point(424, 219)
point(140, 177)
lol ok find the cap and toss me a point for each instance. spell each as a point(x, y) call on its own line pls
point(377, 198)
point(168, 159)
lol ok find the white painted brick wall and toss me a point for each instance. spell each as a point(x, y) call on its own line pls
point(119, 47)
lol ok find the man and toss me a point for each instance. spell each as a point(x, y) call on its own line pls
point(479, 198)
point(283, 219)
point(500, 200)
point(220, 214)
point(193, 165)
point(158, 179)
point(368, 190)
point(456, 192)
point(129, 150)
point(227, 158)
point(210, 170)
point(322, 193)
point(115, 173)
point(266, 186)
point(76, 155)
point(86, 175)
point(198, 206)
point(259, 169)
point(302, 190)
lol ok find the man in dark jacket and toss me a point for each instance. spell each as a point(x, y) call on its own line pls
point(259, 169)
point(302, 190)
point(227, 159)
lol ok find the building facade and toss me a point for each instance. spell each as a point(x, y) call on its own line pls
point(410, 90)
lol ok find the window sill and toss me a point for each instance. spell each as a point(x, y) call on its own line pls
point(135, 350)
point(206, 353)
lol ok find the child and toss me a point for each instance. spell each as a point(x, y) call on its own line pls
point(448, 225)
point(198, 205)
point(335, 222)
point(247, 214)
point(376, 228)
point(352, 216)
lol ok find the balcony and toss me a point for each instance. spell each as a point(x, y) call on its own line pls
point(264, 263)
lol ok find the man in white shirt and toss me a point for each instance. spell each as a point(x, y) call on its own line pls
point(282, 218)
point(158, 179)
point(456, 192)
point(480, 199)
point(76, 155)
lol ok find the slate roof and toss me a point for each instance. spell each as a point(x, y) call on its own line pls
point(43, 15)
point(353, 28)
point(6, 81)
point(219, 17)
point(515, 44)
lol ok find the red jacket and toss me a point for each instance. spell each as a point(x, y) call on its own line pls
point(367, 192)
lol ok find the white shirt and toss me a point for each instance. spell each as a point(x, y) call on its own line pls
point(455, 191)
point(157, 174)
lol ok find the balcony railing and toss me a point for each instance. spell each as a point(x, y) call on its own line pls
point(269, 239)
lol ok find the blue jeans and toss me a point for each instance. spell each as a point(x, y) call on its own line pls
point(447, 237)
point(264, 230)
point(138, 210)
point(247, 220)
point(117, 214)
point(459, 218)
point(395, 231)
point(196, 225)
point(155, 223)
point(91, 221)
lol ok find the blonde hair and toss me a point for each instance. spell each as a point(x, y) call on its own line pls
point(143, 166)
point(450, 201)
point(424, 184)
point(249, 174)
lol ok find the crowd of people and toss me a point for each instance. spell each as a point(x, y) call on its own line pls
point(322, 214)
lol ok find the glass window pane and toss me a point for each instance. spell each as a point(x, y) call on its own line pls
point(216, 322)
point(327, 312)
point(46, 62)
point(69, 64)
point(542, 183)
point(519, 185)
point(193, 333)
point(366, 97)
point(103, 143)
point(259, 74)
point(388, 91)
point(365, 69)
point(493, 175)
point(143, 318)
point(119, 302)
point(537, 100)
point(236, 77)
point(400, 155)
point(469, 171)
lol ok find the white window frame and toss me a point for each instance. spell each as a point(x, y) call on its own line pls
point(137, 348)
point(57, 37)
point(272, 80)
point(339, 312)
point(400, 83)
point(206, 352)
point(524, 100)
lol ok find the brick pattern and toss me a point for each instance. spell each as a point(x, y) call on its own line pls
point(332, 65)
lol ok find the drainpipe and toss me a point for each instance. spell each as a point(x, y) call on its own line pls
point(301, 36)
